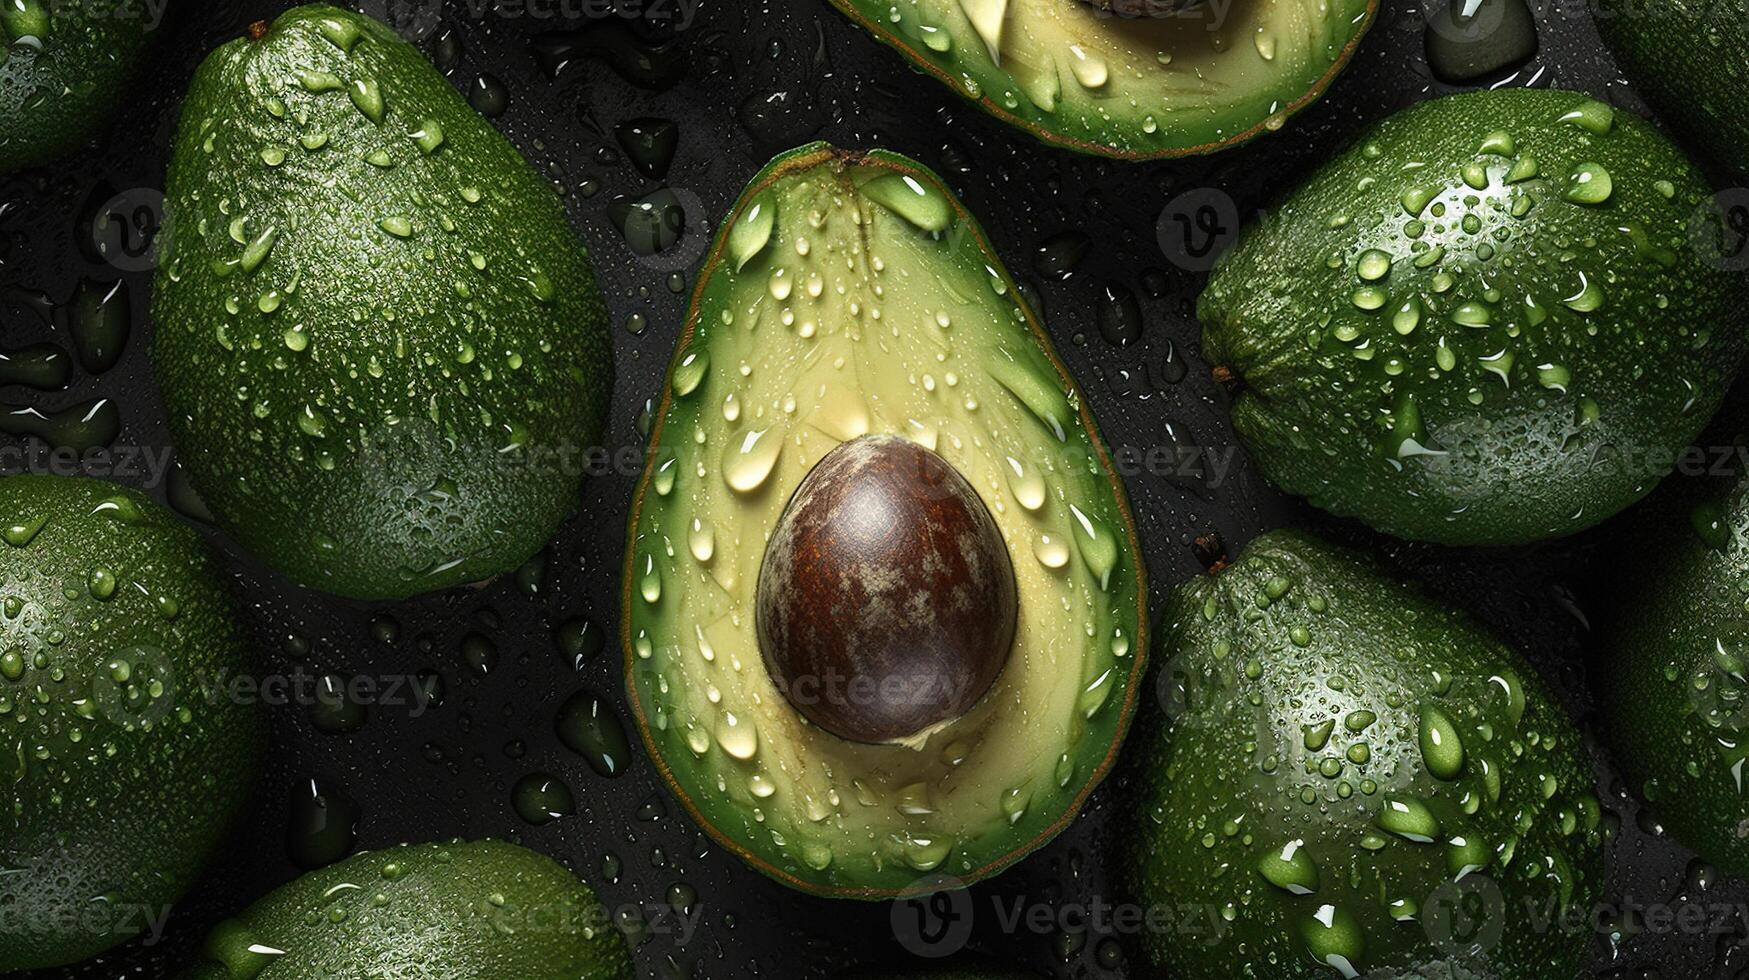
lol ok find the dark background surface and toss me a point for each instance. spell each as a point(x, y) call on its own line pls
point(744, 80)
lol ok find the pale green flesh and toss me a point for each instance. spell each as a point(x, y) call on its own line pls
point(1211, 75)
point(827, 317)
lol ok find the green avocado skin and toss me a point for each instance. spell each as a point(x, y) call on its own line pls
point(966, 970)
point(484, 910)
point(1685, 57)
point(1674, 684)
point(1434, 337)
point(381, 345)
point(122, 776)
point(1336, 766)
point(55, 99)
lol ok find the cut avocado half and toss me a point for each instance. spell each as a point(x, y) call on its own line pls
point(1192, 79)
point(869, 456)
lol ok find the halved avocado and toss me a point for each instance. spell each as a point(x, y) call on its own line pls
point(884, 606)
point(1194, 78)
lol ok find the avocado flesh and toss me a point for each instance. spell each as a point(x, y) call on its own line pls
point(63, 71)
point(1324, 720)
point(1674, 679)
point(1450, 334)
point(380, 343)
point(851, 294)
point(1202, 79)
point(453, 911)
point(121, 777)
point(1685, 57)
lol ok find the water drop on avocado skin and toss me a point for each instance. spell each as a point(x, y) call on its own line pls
point(1675, 645)
point(121, 779)
point(484, 910)
point(383, 378)
point(1686, 60)
point(1516, 285)
point(1323, 861)
point(64, 69)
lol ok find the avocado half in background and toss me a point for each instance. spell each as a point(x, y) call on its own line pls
point(1686, 57)
point(934, 660)
point(382, 348)
point(1492, 321)
point(122, 777)
point(1362, 781)
point(64, 69)
point(454, 911)
point(1675, 678)
point(1133, 79)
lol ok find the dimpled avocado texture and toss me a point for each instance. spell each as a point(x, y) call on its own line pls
point(1491, 321)
point(122, 775)
point(380, 344)
point(64, 68)
point(1676, 671)
point(1342, 776)
point(443, 911)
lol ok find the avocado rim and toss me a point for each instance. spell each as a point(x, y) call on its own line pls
point(784, 164)
point(990, 106)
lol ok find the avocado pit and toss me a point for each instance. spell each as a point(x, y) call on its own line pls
point(886, 602)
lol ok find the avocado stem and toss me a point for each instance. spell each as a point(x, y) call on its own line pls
point(258, 30)
point(1211, 551)
point(1227, 379)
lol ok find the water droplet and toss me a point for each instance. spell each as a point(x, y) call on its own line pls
point(922, 205)
point(1442, 750)
point(749, 458)
point(588, 726)
point(540, 798)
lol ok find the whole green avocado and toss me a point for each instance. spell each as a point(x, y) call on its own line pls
point(381, 345)
point(1676, 676)
point(964, 968)
point(121, 777)
point(1355, 781)
point(63, 69)
point(1487, 323)
point(1686, 57)
point(484, 910)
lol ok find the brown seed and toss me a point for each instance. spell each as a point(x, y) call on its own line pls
point(887, 602)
